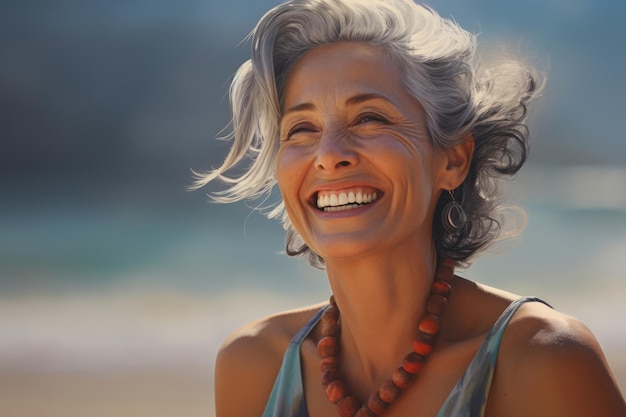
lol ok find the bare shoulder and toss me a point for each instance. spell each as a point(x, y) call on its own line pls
point(249, 359)
point(550, 364)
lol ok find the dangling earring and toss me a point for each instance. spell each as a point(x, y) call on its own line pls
point(453, 216)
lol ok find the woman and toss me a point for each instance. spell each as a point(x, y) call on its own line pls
point(387, 142)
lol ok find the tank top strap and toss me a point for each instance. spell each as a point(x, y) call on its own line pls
point(287, 397)
point(469, 397)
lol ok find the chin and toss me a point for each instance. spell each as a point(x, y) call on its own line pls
point(345, 248)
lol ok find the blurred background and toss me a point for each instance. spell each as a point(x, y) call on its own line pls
point(117, 285)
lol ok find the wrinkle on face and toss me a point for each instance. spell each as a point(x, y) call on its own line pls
point(404, 121)
point(349, 101)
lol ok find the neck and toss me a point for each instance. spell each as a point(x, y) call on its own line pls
point(380, 298)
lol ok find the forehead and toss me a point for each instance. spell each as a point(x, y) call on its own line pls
point(342, 70)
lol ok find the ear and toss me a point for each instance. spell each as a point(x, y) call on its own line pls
point(456, 163)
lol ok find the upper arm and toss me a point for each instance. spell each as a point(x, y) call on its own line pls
point(557, 369)
point(246, 366)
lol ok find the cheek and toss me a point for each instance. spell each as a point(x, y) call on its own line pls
point(403, 155)
point(282, 178)
point(289, 174)
point(284, 164)
point(410, 165)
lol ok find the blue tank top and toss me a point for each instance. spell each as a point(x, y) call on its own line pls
point(467, 399)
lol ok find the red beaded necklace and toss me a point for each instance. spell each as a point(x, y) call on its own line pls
point(337, 392)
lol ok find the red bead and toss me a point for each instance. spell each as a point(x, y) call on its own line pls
point(330, 375)
point(376, 404)
point(446, 263)
point(348, 406)
point(329, 328)
point(441, 287)
point(426, 338)
point(331, 315)
point(444, 274)
point(436, 304)
point(401, 378)
point(430, 324)
point(421, 347)
point(331, 300)
point(413, 363)
point(327, 346)
point(445, 270)
point(329, 362)
point(335, 391)
point(364, 411)
point(388, 392)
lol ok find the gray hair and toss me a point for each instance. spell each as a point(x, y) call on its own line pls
point(436, 58)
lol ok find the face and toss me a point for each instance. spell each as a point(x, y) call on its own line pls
point(356, 167)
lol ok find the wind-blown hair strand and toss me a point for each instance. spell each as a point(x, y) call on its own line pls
point(436, 57)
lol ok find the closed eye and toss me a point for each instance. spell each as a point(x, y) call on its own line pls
point(301, 129)
point(369, 117)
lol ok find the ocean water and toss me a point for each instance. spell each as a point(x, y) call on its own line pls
point(86, 289)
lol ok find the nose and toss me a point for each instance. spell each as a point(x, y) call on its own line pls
point(334, 152)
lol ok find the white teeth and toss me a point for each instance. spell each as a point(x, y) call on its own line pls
point(344, 201)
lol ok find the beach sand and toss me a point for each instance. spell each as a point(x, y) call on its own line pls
point(132, 393)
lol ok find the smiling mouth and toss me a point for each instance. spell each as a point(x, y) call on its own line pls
point(345, 200)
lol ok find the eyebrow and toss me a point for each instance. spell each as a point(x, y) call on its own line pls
point(358, 99)
point(300, 107)
point(361, 98)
